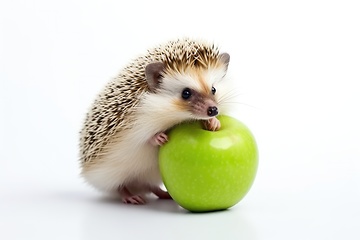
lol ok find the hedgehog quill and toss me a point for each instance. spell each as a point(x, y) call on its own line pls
point(178, 81)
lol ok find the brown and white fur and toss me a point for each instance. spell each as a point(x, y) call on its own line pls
point(128, 121)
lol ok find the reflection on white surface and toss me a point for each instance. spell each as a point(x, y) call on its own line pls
point(33, 211)
point(71, 215)
point(162, 219)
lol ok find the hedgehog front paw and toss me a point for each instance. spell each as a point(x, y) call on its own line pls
point(159, 139)
point(213, 124)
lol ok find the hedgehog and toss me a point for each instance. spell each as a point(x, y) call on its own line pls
point(181, 80)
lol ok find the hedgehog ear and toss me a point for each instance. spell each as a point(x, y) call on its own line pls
point(153, 74)
point(225, 59)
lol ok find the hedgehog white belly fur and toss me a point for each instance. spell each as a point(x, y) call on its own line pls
point(178, 81)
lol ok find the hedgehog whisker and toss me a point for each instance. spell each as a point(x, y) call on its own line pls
point(231, 94)
point(230, 98)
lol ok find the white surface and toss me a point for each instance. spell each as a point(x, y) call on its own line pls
point(297, 64)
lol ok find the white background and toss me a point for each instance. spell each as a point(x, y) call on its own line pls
point(296, 65)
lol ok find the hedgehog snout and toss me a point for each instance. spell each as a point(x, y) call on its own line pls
point(212, 111)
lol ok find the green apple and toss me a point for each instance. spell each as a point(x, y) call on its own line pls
point(208, 171)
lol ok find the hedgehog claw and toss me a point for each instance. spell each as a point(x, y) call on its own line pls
point(159, 139)
point(138, 200)
point(127, 197)
point(213, 124)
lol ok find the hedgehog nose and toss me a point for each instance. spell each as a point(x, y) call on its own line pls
point(212, 111)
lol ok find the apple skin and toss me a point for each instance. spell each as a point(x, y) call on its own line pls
point(208, 171)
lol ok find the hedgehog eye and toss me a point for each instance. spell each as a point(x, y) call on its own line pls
point(186, 93)
point(213, 90)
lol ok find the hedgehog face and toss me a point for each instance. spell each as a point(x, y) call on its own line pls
point(188, 90)
point(194, 91)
